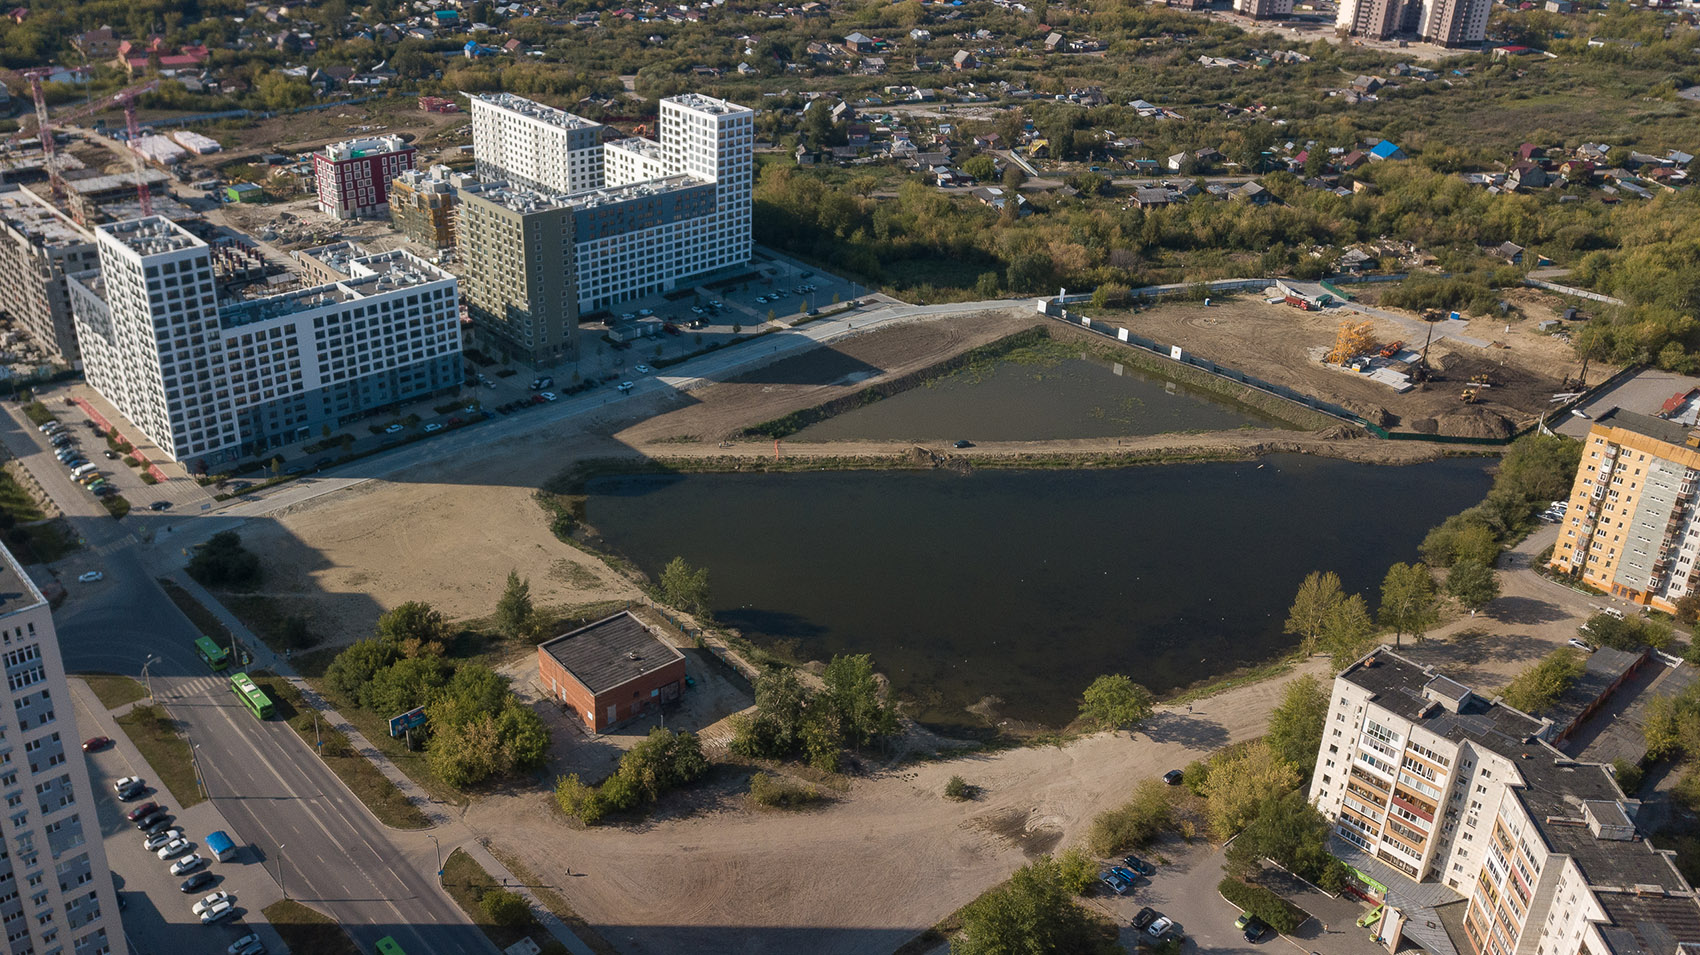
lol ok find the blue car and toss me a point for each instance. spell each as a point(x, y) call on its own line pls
point(1125, 874)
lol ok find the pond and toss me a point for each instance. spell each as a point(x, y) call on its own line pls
point(1080, 396)
point(1025, 585)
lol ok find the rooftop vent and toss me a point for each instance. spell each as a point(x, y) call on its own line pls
point(1646, 890)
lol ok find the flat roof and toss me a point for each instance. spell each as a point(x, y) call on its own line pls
point(36, 219)
point(648, 148)
point(374, 145)
point(706, 104)
point(610, 652)
point(152, 235)
point(370, 275)
point(1657, 428)
point(17, 591)
point(532, 109)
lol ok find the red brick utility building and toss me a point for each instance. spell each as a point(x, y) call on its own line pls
point(611, 671)
point(353, 177)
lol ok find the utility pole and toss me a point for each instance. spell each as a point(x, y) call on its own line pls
point(280, 870)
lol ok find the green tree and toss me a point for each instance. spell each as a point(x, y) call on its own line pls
point(280, 92)
point(1473, 583)
point(1033, 913)
point(514, 611)
point(775, 731)
point(1539, 467)
point(354, 668)
point(1240, 782)
point(222, 561)
point(1114, 701)
point(1134, 823)
point(684, 586)
point(1408, 601)
point(505, 908)
point(413, 626)
point(466, 754)
point(1319, 598)
point(1295, 728)
point(1347, 631)
point(1539, 686)
point(663, 761)
point(980, 168)
point(405, 684)
point(1288, 829)
point(851, 692)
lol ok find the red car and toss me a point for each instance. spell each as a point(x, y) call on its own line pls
point(99, 742)
point(144, 809)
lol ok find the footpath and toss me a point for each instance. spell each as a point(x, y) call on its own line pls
point(448, 832)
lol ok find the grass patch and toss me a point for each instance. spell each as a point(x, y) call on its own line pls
point(556, 904)
point(469, 885)
point(43, 543)
point(1244, 676)
point(113, 690)
point(16, 501)
point(197, 612)
point(376, 729)
point(38, 413)
point(116, 506)
point(270, 621)
point(368, 784)
point(307, 930)
point(167, 753)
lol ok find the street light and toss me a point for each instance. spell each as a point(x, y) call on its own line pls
point(151, 660)
point(195, 759)
point(439, 853)
point(280, 870)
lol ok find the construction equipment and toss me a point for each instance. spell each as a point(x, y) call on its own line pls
point(1470, 395)
point(1302, 304)
point(1352, 339)
point(45, 124)
point(1391, 348)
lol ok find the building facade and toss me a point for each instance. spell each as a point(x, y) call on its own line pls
point(1449, 23)
point(1477, 834)
point(611, 671)
point(209, 383)
point(1632, 528)
point(39, 246)
point(56, 892)
point(516, 247)
point(422, 206)
point(353, 177)
point(648, 214)
point(534, 146)
point(1263, 9)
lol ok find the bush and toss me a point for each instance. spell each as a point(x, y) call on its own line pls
point(1281, 915)
point(1628, 775)
point(223, 562)
point(132, 461)
point(775, 792)
point(148, 478)
point(1627, 633)
point(957, 788)
point(1539, 686)
point(1133, 824)
point(577, 799)
point(506, 908)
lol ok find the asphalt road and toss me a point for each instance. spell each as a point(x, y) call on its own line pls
point(269, 786)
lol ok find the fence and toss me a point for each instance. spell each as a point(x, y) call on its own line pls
point(1223, 285)
point(1570, 290)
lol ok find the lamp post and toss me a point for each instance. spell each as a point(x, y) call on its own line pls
point(280, 870)
point(151, 660)
point(195, 760)
point(439, 849)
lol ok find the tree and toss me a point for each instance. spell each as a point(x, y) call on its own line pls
point(354, 668)
point(1539, 686)
point(1134, 823)
point(1240, 782)
point(1539, 467)
point(685, 587)
point(514, 611)
point(663, 761)
point(414, 627)
point(776, 729)
point(1473, 583)
point(1318, 599)
point(1291, 831)
point(223, 562)
point(1114, 701)
point(466, 754)
point(1688, 609)
point(505, 908)
point(1408, 600)
point(1031, 914)
point(1346, 633)
point(851, 692)
point(280, 92)
point(404, 685)
point(980, 168)
point(1295, 728)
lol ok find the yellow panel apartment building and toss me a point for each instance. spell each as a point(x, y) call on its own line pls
point(1631, 529)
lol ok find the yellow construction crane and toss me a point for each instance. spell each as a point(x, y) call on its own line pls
point(1352, 339)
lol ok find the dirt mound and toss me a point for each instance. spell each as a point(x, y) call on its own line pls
point(1474, 423)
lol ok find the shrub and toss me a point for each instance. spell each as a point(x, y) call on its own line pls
point(1281, 915)
point(223, 562)
point(148, 478)
point(775, 792)
point(1539, 686)
point(132, 461)
point(1133, 824)
point(957, 788)
point(505, 908)
point(578, 800)
point(1628, 775)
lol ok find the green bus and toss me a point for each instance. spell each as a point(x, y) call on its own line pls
point(211, 653)
point(388, 946)
point(254, 698)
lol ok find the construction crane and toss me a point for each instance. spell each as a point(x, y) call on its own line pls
point(45, 125)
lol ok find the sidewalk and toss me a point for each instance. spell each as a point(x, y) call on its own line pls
point(451, 832)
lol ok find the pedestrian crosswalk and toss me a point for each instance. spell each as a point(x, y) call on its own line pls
point(198, 686)
point(113, 547)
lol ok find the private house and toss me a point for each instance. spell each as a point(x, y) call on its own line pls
point(964, 60)
point(860, 43)
point(1509, 251)
point(1386, 150)
point(611, 671)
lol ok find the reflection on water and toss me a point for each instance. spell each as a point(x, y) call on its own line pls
point(1025, 585)
point(1080, 397)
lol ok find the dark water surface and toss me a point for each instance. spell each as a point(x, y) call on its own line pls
point(1080, 397)
point(1026, 585)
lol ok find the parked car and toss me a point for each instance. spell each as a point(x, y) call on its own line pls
point(212, 900)
point(90, 577)
point(1109, 881)
point(152, 819)
point(626, 386)
point(549, 396)
point(1173, 777)
point(110, 455)
point(129, 782)
point(165, 820)
point(1145, 917)
point(160, 506)
point(218, 913)
point(249, 944)
point(1255, 928)
point(96, 742)
point(196, 881)
point(432, 427)
point(1139, 865)
point(1581, 644)
point(1160, 927)
point(173, 849)
point(188, 864)
point(161, 839)
point(1125, 874)
point(964, 443)
point(392, 429)
point(145, 809)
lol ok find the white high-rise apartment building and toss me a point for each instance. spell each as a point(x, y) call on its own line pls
point(1449, 23)
point(56, 892)
point(209, 383)
point(1480, 836)
point(533, 145)
point(658, 213)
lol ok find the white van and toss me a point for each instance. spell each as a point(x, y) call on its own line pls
point(80, 471)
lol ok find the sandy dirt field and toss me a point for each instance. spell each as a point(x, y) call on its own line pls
point(1280, 344)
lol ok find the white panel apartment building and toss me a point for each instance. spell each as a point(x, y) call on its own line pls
point(619, 256)
point(1479, 835)
point(533, 145)
point(1450, 23)
point(210, 383)
point(56, 892)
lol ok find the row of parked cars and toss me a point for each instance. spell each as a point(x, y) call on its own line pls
point(164, 838)
point(1554, 514)
point(66, 449)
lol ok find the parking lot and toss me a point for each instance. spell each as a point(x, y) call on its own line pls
point(157, 916)
point(1183, 888)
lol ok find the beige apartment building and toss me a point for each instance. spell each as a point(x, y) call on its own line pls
point(516, 255)
point(1481, 837)
point(1631, 528)
point(39, 246)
